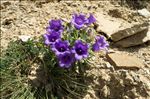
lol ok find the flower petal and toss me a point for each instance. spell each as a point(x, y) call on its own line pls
point(91, 19)
point(47, 42)
point(78, 57)
point(95, 47)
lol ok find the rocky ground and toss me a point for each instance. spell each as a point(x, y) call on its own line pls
point(115, 77)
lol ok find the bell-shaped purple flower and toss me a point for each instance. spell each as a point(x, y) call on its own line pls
point(80, 50)
point(78, 20)
point(100, 44)
point(91, 19)
point(60, 47)
point(66, 59)
point(55, 25)
point(51, 38)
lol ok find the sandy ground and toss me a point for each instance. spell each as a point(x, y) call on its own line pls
point(31, 18)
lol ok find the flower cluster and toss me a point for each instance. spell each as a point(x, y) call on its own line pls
point(73, 47)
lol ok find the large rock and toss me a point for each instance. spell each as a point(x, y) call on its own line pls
point(117, 28)
point(129, 31)
point(124, 61)
point(110, 25)
point(137, 39)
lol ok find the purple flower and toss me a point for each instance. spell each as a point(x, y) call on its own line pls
point(55, 25)
point(51, 38)
point(60, 47)
point(78, 20)
point(91, 19)
point(96, 47)
point(80, 50)
point(66, 59)
point(100, 44)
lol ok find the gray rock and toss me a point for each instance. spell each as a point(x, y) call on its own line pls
point(129, 31)
point(137, 39)
point(116, 28)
